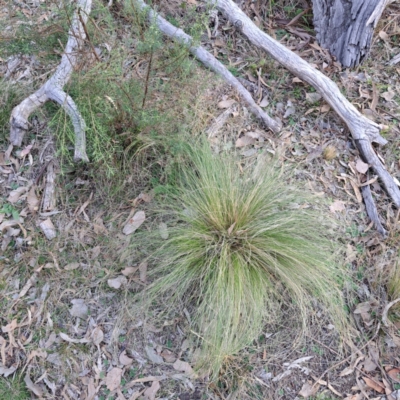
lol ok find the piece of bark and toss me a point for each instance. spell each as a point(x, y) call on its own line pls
point(210, 62)
point(49, 196)
point(346, 27)
point(363, 130)
point(53, 88)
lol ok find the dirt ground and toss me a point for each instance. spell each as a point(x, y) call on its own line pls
point(68, 272)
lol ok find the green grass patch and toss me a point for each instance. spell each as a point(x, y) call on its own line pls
point(13, 388)
point(242, 245)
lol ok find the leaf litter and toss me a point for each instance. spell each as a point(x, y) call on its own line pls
point(82, 326)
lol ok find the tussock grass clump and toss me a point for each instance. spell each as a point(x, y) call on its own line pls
point(245, 243)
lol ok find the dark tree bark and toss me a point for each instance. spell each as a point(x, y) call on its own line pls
point(346, 27)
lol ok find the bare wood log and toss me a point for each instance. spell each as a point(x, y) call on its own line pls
point(53, 88)
point(363, 130)
point(210, 62)
point(346, 27)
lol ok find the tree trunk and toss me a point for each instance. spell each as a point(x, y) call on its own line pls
point(346, 27)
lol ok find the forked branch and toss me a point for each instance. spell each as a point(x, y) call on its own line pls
point(363, 130)
point(53, 88)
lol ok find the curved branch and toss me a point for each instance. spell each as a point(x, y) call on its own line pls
point(363, 130)
point(52, 89)
point(210, 62)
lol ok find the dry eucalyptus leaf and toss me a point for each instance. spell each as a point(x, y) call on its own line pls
point(32, 200)
point(33, 387)
point(129, 271)
point(25, 151)
point(394, 374)
point(16, 194)
point(134, 223)
point(72, 266)
point(48, 229)
point(389, 95)
point(289, 111)
point(183, 366)
point(378, 386)
point(313, 97)
point(384, 36)
point(65, 337)
point(308, 389)
point(150, 393)
point(4, 371)
point(79, 308)
point(97, 335)
point(264, 102)
point(163, 228)
point(153, 356)
point(361, 166)
point(113, 378)
point(117, 282)
point(244, 141)
point(9, 327)
point(168, 356)
point(337, 205)
point(226, 103)
point(143, 271)
point(124, 359)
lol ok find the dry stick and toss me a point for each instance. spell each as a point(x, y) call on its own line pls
point(362, 129)
point(371, 209)
point(210, 62)
point(52, 89)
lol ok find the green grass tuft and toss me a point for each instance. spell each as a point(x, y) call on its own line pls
point(243, 244)
point(13, 388)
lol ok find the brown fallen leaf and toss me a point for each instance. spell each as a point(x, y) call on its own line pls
point(124, 359)
point(48, 229)
point(68, 339)
point(97, 335)
point(72, 266)
point(15, 195)
point(134, 223)
point(361, 166)
point(79, 308)
point(129, 271)
point(113, 378)
point(308, 389)
point(337, 205)
point(183, 366)
point(377, 386)
point(117, 282)
point(32, 200)
point(226, 103)
point(168, 356)
point(394, 374)
point(33, 387)
point(150, 393)
point(244, 141)
point(143, 271)
point(25, 151)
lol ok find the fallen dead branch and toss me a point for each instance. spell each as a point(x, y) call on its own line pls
point(372, 210)
point(53, 88)
point(210, 62)
point(364, 131)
